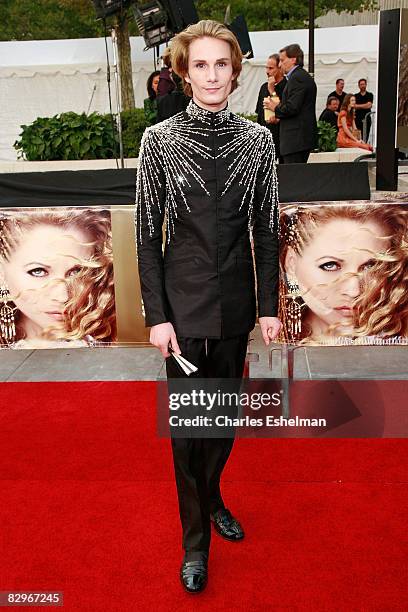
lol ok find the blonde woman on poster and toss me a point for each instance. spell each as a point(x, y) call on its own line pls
point(56, 278)
point(344, 274)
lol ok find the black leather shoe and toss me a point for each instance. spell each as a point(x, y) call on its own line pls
point(227, 526)
point(194, 572)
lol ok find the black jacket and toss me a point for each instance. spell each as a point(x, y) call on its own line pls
point(331, 117)
point(297, 111)
point(171, 104)
point(273, 127)
point(209, 176)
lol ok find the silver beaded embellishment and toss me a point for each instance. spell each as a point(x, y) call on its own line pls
point(196, 112)
point(170, 155)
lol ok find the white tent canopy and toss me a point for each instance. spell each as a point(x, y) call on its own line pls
point(44, 78)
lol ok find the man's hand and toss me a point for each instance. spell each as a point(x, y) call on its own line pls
point(267, 103)
point(271, 84)
point(161, 336)
point(273, 120)
point(273, 104)
point(270, 327)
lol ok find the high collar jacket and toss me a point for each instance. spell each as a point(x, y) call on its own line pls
point(210, 178)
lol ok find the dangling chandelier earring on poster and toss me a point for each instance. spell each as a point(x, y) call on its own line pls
point(291, 306)
point(294, 305)
point(7, 320)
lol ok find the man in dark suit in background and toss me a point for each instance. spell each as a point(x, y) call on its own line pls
point(297, 109)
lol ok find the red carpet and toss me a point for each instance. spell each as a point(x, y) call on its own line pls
point(88, 507)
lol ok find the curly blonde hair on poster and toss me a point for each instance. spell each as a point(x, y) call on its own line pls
point(381, 309)
point(90, 308)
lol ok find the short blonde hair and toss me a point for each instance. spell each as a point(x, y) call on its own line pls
point(181, 43)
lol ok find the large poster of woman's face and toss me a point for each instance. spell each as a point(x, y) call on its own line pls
point(403, 87)
point(402, 110)
point(344, 273)
point(56, 278)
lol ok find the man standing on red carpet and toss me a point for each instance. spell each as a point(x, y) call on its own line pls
point(210, 176)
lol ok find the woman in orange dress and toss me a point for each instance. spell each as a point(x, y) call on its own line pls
point(346, 124)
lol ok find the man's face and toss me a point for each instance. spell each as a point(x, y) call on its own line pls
point(333, 105)
point(286, 63)
point(271, 67)
point(340, 86)
point(210, 72)
point(362, 86)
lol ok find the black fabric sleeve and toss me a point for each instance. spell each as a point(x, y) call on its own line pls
point(259, 111)
point(265, 231)
point(295, 98)
point(150, 214)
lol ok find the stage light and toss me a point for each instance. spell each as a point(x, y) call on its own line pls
point(152, 21)
point(104, 8)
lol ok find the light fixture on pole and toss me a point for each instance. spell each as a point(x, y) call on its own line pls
point(116, 74)
point(104, 8)
point(152, 20)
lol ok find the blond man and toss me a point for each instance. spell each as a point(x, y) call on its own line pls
point(210, 176)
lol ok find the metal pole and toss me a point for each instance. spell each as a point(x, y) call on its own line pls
point(118, 93)
point(311, 36)
point(387, 91)
point(287, 361)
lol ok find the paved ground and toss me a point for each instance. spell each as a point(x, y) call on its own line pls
point(357, 362)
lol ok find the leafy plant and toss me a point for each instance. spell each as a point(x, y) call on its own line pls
point(249, 116)
point(327, 136)
point(134, 123)
point(67, 136)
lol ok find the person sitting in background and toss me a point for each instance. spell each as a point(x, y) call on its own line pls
point(346, 125)
point(275, 85)
point(150, 103)
point(364, 104)
point(339, 92)
point(330, 113)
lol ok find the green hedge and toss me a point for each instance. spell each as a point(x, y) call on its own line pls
point(80, 136)
point(67, 136)
point(134, 123)
point(74, 136)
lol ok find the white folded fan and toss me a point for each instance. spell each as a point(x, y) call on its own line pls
point(187, 367)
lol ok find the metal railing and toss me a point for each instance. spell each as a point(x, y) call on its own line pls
point(369, 136)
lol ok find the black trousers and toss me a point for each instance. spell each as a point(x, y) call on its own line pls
point(300, 157)
point(199, 462)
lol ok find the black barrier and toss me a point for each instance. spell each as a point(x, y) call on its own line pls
point(68, 188)
point(297, 182)
point(329, 181)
